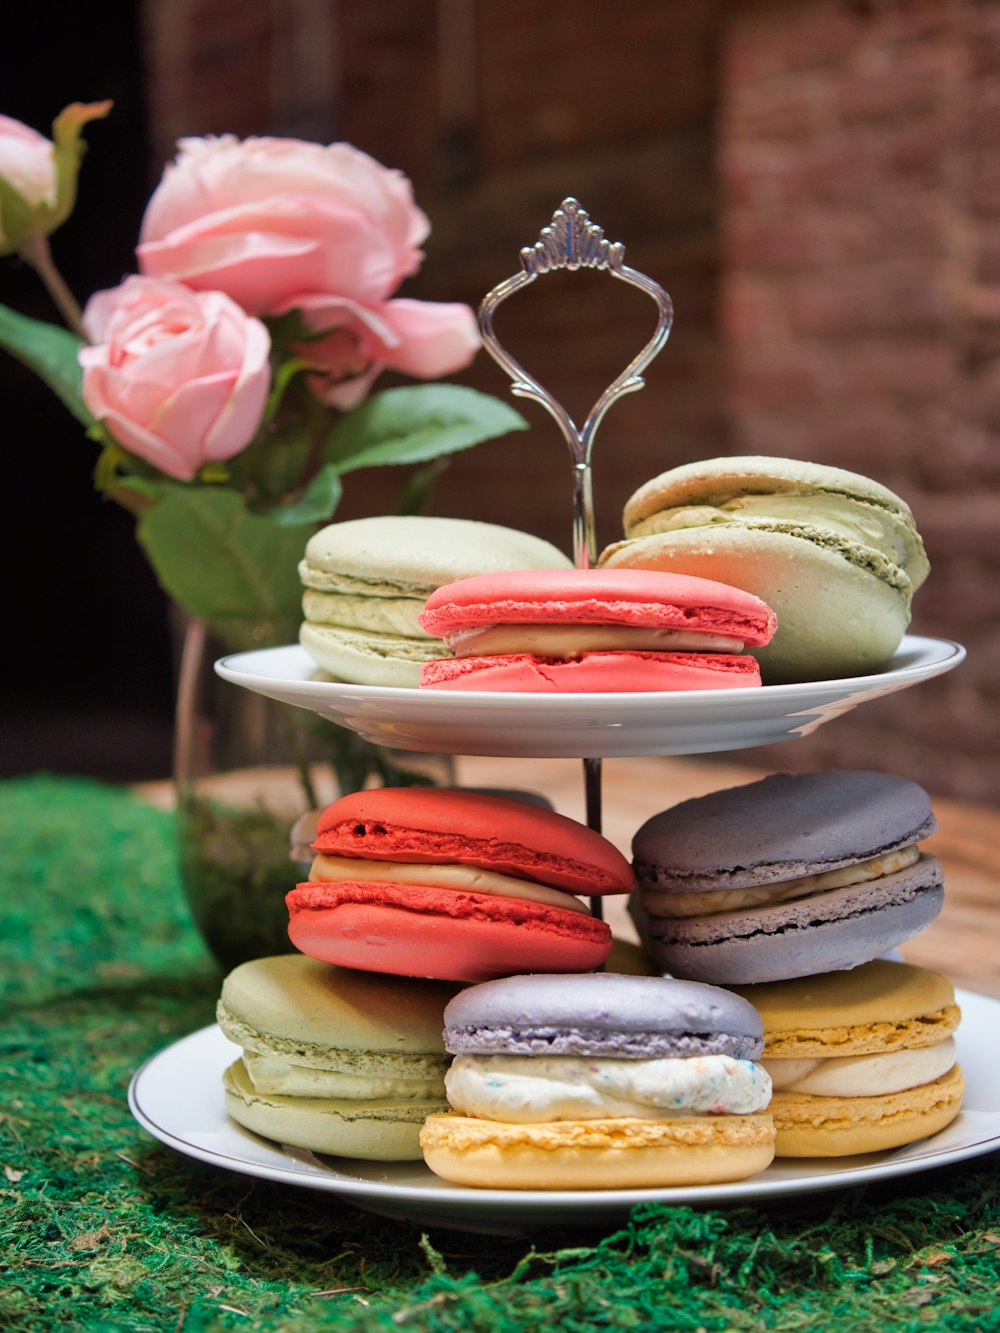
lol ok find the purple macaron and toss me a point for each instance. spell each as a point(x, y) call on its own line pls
point(601, 1014)
point(790, 876)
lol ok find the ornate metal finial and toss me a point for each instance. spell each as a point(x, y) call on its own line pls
point(572, 241)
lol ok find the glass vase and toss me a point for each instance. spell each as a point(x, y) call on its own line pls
point(248, 771)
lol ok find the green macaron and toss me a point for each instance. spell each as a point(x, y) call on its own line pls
point(366, 580)
point(333, 1060)
point(836, 555)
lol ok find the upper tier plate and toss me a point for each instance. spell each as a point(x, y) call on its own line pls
point(579, 726)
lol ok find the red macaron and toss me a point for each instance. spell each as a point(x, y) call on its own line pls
point(594, 631)
point(455, 885)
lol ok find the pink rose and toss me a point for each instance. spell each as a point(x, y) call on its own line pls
point(177, 377)
point(27, 165)
point(421, 338)
point(269, 221)
point(38, 175)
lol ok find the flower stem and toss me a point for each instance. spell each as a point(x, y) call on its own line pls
point(38, 254)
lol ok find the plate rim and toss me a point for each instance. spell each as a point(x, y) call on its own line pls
point(949, 654)
point(419, 1201)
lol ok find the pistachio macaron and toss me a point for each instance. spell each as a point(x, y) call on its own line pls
point(334, 1061)
point(860, 1061)
point(836, 555)
point(365, 582)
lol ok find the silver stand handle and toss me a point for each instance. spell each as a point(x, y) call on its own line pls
point(572, 241)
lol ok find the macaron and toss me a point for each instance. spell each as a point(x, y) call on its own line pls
point(366, 580)
point(593, 630)
point(332, 1060)
point(836, 555)
point(789, 876)
point(861, 1061)
point(601, 1081)
point(454, 884)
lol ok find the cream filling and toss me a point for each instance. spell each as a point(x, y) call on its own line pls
point(470, 879)
point(850, 519)
point(378, 615)
point(569, 640)
point(270, 1074)
point(530, 1090)
point(709, 902)
point(863, 1075)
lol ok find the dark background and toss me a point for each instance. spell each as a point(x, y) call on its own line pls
point(87, 673)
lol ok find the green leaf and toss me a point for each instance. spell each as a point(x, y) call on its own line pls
point(317, 502)
point(283, 376)
point(68, 148)
point(416, 424)
point(51, 352)
point(217, 560)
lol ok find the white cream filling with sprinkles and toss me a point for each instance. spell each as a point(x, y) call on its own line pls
point(531, 1090)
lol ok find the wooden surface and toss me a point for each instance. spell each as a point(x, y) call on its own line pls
point(963, 943)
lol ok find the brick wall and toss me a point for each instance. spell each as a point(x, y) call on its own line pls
point(497, 110)
point(812, 180)
point(861, 314)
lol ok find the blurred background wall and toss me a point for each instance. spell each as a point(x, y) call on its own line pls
point(814, 181)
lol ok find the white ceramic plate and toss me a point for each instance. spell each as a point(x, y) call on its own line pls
point(579, 725)
point(177, 1096)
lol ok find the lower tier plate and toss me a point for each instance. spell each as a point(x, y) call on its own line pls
point(177, 1096)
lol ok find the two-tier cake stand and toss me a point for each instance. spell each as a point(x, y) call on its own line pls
point(177, 1095)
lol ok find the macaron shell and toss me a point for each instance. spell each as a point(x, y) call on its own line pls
point(602, 1014)
point(448, 935)
point(598, 596)
point(828, 933)
point(594, 673)
point(713, 481)
point(839, 612)
point(879, 1006)
point(842, 1126)
point(598, 1154)
point(368, 658)
point(411, 554)
point(779, 828)
point(374, 1131)
point(333, 1018)
point(511, 837)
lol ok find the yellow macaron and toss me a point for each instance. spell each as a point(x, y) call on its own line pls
point(862, 1060)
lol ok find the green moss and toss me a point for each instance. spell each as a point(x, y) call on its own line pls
point(101, 1228)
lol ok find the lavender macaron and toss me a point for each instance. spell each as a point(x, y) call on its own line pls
point(603, 1014)
point(600, 1081)
point(790, 876)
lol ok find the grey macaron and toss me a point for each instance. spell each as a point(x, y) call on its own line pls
point(601, 1014)
point(790, 876)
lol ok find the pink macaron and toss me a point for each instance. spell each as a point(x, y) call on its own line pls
point(456, 885)
point(594, 631)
